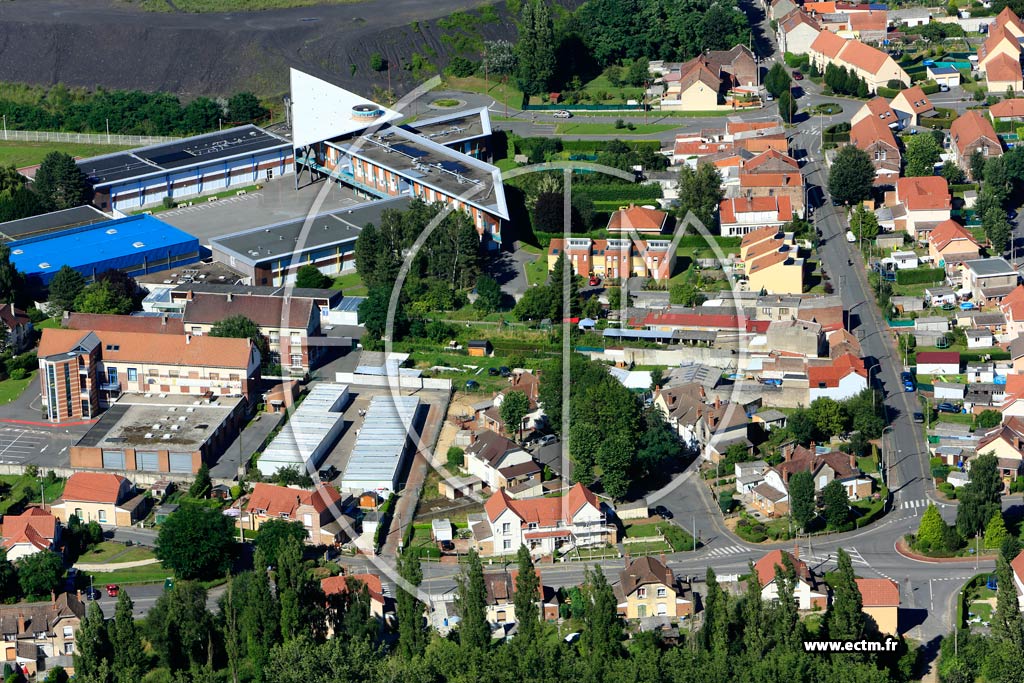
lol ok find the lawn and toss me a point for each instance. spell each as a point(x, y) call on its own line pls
point(231, 5)
point(537, 270)
point(111, 552)
point(149, 573)
point(25, 489)
point(867, 464)
point(611, 128)
point(20, 153)
point(53, 323)
point(501, 92)
point(351, 284)
point(11, 389)
point(205, 198)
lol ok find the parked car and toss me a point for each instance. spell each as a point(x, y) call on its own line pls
point(770, 98)
point(919, 417)
point(446, 546)
point(948, 408)
point(562, 114)
point(663, 512)
point(547, 440)
point(850, 237)
point(472, 385)
point(113, 589)
point(493, 372)
point(797, 76)
point(504, 371)
point(169, 583)
point(328, 473)
point(943, 87)
point(93, 593)
point(908, 381)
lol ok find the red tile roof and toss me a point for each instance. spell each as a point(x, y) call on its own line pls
point(765, 567)
point(770, 180)
point(1008, 108)
point(863, 56)
point(872, 20)
point(334, 585)
point(699, 148)
point(124, 323)
point(275, 500)
point(163, 349)
point(637, 218)
point(879, 592)
point(770, 155)
point(545, 512)
point(929, 193)
point(695, 320)
point(759, 235)
point(828, 44)
point(879, 107)
point(35, 526)
point(830, 375)
point(93, 487)
point(795, 18)
point(1017, 565)
point(949, 231)
point(1003, 68)
point(772, 259)
point(780, 206)
point(1012, 304)
point(1009, 18)
point(11, 317)
point(941, 357)
point(871, 129)
point(970, 127)
point(917, 100)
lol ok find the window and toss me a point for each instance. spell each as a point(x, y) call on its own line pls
point(296, 360)
point(641, 593)
point(660, 593)
point(69, 632)
point(102, 516)
point(133, 375)
point(112, 375)
point(197, 331)
point(641, 611)
point(275, 337)
point(500, 616)
point(307, 519)
point(506, 528)
point(78, 513)
point(69, 648)
point(506, 544)
point(531, 525)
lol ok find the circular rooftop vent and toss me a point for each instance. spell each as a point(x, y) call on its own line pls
point(112, 231)
point(18, 252)
point(366, 112)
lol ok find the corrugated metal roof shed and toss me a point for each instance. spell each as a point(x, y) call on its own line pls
point(376, 460)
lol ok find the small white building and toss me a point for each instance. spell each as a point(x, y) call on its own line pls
point(980, 373)
point(944, 75)
point(938, 296)
point(979, 338)
point(905, 260)
point(938, 363)
point(949, 391)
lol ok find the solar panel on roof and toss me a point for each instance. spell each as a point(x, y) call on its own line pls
point(170, 157)
point(408, 149)
point(453, 166)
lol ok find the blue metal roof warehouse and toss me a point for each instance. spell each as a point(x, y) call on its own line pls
point(136, 245)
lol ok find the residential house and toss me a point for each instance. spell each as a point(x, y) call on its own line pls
point(989, 279)
point(1007, 110)
point(543, 525)
point(286, 323)
point(108, 499)
point(926, 201)
point(637, 219)
point(318, 510)
point(870, 26)
point(1006, 443)
point(788, 184)
point(737, 65)
point(1003, 74)
point(877, 107)
point(950, 245)
point(648, 588)
point(843, 379)
point(758, 241)
point(797, 31)
point(877, 68)
point(17, 326)
point(749, 475)
point(880, 602)
point(500, 600)
point(82, 372)
point(874, 136)
point(340, 585)
point(499, 462)
point(973, 133)
point(719, 425)
point(911, 106)
point(40, 636)
point(1012, 308)
point(777, 271)
point(782, 8)
point(617, 258)
point(938, 363)
point(682, 405)
point(104, 322)
point(944, 74)
point(33, 531)
point(694, 87)
point(488, 413)
point(739, 216)
point(772, 497)
point(808, 591)
point(978, 338)
point(796, 336)
point(1017, 565)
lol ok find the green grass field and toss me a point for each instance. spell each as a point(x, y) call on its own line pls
point(110, 552)
point(610, 129)
point(351, 284)
point(11, 389)
point(149, 573)
point(501, 92)
point(20, 154)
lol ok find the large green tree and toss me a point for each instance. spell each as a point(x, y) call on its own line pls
point(101, 297)
point(274, 534)
point(1007, 624)
point(700, 191)
point(93, 651)
point(535, 49)
point(39, 573)
point(179, 627)
point(922, 154)
point(241, 327)
point(836, 504)
point(411, 633)
point(10, 279)
point(59, 183)
point(514, 407)
point(527, 594)
point(488, 294)
point(197, 542)
point(932, 529)
point(777, 80)
point(852, 175)
point(474, 631)
point(65, 287)
point(130, 661)
point(801, 498)
point(980, 498)
point(309, 276)
point(244, 107)
point(845, 618)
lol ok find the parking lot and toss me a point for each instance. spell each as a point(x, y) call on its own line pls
point(45, 448)
point(277, 201)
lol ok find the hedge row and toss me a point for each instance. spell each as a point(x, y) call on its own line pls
point(598, 145)
point(698, 242)
point(887, 93)
point(920, 276)
point(616, 193)
point(929, 87)
point(963, 188)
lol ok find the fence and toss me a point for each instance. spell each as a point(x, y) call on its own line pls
point(84, 138)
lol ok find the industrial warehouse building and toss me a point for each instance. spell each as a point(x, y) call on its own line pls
point(202, 164)
point(310, 433)
point(273, 254)
point(55, 221)
point(150, 433)
point(378, 459)
point(135, 245)
point(339, 135)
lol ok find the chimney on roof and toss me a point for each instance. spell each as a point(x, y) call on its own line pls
point(53, 597)
point(718, 402)
point(229, 297)
point(787, 450)
point(66, 316)
point(853, 462)
point(625, 556)
point(21, 623)
point(188, 295)
point(188, 338)
point(163, 320)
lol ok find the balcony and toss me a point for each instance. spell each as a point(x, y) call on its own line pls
point(110, 386)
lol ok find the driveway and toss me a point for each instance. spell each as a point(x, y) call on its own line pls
point(509, 269)
point(245, 445)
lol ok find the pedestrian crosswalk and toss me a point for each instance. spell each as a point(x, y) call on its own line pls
point(728, 550)
point(914, 504)
point(855, 557)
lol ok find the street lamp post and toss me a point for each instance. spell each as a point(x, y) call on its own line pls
point(884, 465)
point(875, 367)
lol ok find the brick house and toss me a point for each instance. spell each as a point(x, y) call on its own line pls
point(108, 499)
point(39, 636)
point(809, 592)
point(648, 588)
point(318, 510)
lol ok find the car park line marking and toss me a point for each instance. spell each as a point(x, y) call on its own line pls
point(4, 451)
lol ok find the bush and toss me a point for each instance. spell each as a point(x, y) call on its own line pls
point(930, 88)
point(725, 501)
point(920, 276)
point(887, 93)
point(947, 489)
point(18, 373)
point(455, 458)
point(618, 193)
point(460, 67)
point(169, 203)
point(377, 62)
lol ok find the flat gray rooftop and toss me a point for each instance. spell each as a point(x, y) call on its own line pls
point(449, 129)
point(52, 222)
point(283, 239)
point(991, 266)
point(160, 424)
